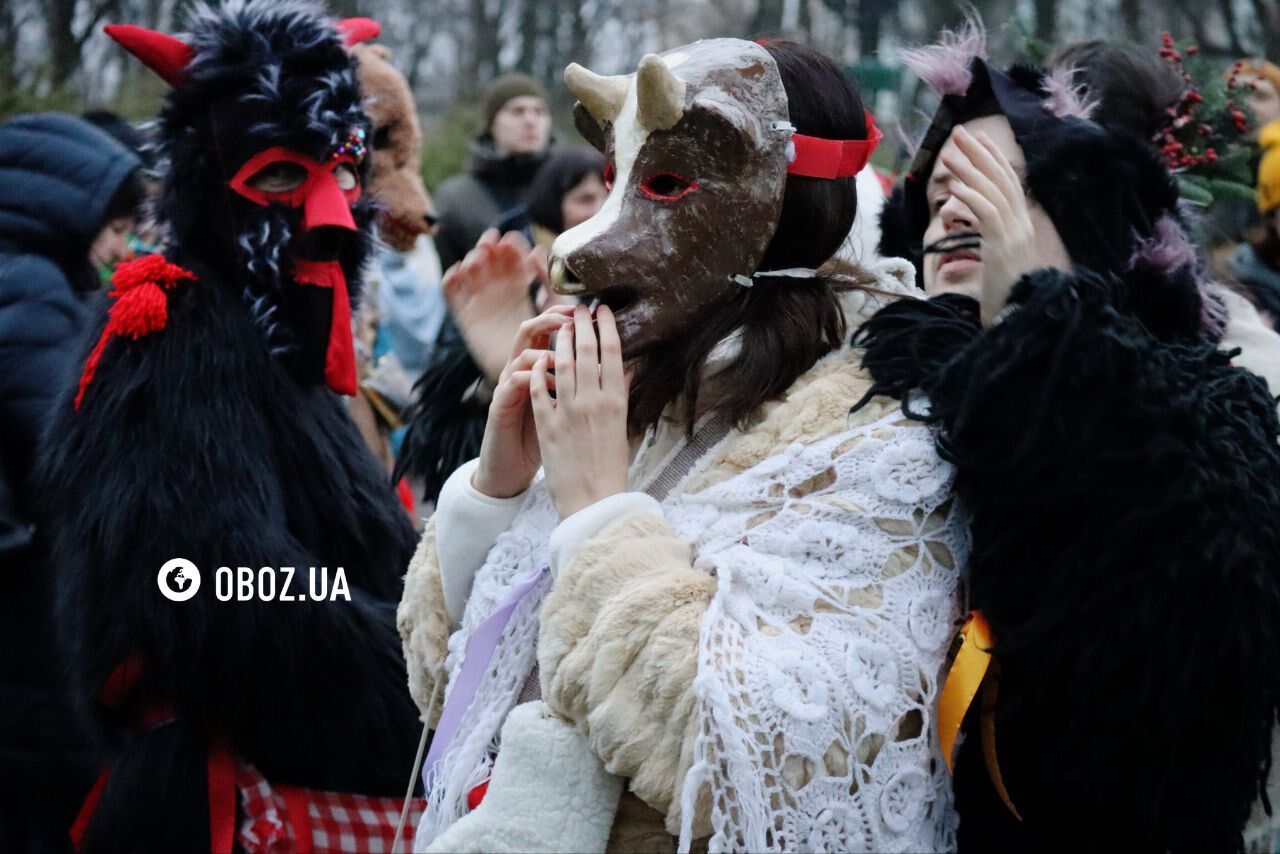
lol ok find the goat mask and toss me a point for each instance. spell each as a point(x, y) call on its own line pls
point(266, 145)
point(697, 149)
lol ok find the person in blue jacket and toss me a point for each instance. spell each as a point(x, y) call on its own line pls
point(68, 200)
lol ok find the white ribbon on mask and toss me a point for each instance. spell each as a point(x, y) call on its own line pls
point(790, 272)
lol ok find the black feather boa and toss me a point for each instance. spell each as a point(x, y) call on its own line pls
point(445, 429)
point(1124, 497)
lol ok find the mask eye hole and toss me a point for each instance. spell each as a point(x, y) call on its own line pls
point(382, 138)
point(345, 175)
point(609, 174)
point(278, 177)
point(667, 187)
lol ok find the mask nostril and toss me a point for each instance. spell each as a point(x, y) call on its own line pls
point(563, 279)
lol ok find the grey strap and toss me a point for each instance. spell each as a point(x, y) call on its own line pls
point(703, 441)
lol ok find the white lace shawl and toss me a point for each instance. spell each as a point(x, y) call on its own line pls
point(820, 654)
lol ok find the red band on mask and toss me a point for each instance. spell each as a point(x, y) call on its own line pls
point(340, 355)
point(833, 158)
point(322, 200)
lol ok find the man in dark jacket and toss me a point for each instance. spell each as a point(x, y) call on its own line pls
point(68, 195)
point(504, 160)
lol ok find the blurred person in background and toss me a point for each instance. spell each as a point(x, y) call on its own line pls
point(490, 294)
point(1263, 81)
point(1256, 262)
point(1132, 89)
point(69, 195)
point(505, 159)
point(144, 237)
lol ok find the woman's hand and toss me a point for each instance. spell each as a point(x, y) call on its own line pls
point(509, 452)
point(583, 432)
point(488, 295)
point(988, 184)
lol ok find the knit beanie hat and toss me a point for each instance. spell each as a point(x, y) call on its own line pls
point(505, 88)
point(1269, 168)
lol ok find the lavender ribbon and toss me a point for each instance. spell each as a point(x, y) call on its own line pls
point(475, 662)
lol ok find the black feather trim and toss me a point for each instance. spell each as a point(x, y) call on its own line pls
point(445, 428)
point(1124, 497)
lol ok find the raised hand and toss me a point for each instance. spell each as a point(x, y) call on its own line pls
point(509, 453)
point(582, 432)
point(488, 295)
point(986, 182)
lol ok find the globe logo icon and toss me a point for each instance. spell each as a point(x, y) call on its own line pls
point(178, 580)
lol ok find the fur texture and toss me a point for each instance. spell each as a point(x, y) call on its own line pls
point(945, 67)
point(520, 812)
point(215, 440)
point(1124, 498)
point(1064, 97)
point(444, 428)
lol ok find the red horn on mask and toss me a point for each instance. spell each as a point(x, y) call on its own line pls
point(163, 54)
point(356, 30)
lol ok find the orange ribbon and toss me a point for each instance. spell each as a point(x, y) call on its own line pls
point(968, 673)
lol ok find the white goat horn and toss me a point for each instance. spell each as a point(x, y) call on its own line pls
point(659, 94)
point(601, 96)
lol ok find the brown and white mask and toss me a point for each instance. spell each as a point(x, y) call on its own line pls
point(697, 145)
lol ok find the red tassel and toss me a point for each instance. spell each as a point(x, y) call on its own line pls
point(140, 308)
point(149, 268)
point(91, 367)
point(139, 311)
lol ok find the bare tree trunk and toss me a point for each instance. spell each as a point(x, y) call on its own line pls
point(1268, 12)
point(1233, 34)
point(768, 17)
point(65, 43)
point(870, 19)
point(480, 64)
point(1046, 30)
point(1131, 20)
point(528, 37)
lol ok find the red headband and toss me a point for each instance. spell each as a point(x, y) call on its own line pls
point(833, 158)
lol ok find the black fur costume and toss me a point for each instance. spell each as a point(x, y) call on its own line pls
point(1123, 482)
point(214, 439)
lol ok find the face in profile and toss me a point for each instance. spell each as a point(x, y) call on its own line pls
point(953, 239)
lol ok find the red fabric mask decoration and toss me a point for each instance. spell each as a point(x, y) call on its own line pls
point(325, 192)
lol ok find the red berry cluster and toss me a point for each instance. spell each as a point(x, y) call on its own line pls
point(1238, 119)
point(1185, 137)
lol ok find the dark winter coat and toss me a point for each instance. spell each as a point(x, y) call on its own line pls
point(57, 176)
point(475, 200)
point(58, 173)
point(1124, 497)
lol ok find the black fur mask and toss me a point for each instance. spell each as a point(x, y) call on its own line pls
point(1109, 196)
point(289, 231)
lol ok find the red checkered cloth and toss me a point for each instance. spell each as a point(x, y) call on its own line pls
point(335, 821)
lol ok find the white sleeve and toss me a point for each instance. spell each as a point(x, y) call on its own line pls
point(468, 523)
point(591, 520)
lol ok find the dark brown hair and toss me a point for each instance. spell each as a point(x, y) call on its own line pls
point(786, 323)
